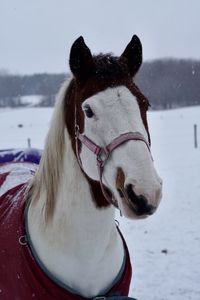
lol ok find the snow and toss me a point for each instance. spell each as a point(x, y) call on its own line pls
point(165, 248)
point(31, 100)
point(174, 275)
point(35, 124)
point(20, 173)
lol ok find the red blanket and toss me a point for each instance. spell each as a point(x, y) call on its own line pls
point(21, 278)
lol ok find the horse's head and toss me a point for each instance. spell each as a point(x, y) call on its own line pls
point(109, 111)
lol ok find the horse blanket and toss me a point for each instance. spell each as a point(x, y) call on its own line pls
point(21, 275)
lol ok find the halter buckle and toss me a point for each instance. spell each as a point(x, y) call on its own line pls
point(102, 156)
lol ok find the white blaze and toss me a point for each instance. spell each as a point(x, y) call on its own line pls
point(116, 111)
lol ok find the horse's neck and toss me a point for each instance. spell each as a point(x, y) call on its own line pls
point(81, 246)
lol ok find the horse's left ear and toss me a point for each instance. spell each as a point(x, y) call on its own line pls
point(133, 55)
point(81, 60)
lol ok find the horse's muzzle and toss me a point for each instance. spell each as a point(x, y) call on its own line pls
point(138, 203)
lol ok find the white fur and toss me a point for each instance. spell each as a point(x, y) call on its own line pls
point(116, 111)
point(81, 246)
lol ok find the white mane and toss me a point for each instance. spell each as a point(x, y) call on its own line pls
point(50, 167)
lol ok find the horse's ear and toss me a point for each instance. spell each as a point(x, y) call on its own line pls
point(133, 55)
point(81, 60)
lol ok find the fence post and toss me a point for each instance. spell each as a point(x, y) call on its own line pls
point(195, 136)
point(29, 142)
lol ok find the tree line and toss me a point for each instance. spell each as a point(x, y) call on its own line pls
point(170, 83)
point(14, 87)
point(167, 83)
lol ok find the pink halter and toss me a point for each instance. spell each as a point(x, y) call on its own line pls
point(103, 153)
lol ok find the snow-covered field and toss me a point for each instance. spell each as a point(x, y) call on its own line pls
point(31, 100)
point(165, 249)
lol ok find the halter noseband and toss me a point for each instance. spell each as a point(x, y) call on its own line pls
point(102, 153)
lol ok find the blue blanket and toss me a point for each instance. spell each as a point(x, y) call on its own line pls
point(20, 155)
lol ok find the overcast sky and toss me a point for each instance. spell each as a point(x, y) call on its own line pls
point(36, 35)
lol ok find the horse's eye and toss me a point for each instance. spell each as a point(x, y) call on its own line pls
point(88, 112)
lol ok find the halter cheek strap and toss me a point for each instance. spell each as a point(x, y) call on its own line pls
point(102, 153)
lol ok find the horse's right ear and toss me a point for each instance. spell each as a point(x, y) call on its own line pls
point(133, 55)
point(81, 60)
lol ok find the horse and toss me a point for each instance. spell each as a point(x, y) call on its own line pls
point(96, 159)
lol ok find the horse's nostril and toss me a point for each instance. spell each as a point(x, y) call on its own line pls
point(138, 202)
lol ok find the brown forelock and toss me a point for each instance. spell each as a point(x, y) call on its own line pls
point(110, 72)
